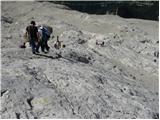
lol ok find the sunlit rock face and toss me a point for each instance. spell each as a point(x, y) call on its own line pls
point(107, 69)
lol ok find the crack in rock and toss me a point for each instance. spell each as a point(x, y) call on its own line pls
point(7, 19)
point(3, 92)
point(155, 116)
point(18, 115)
point(97, 115)
point(29, 100)
point(71, 105)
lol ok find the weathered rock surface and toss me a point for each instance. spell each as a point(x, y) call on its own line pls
point(115, 78)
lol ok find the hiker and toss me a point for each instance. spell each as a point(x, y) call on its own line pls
point(33, 36)
point(44, 37)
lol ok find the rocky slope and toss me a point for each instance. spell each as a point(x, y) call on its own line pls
point(108, 69)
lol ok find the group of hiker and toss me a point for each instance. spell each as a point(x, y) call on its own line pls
point(37, 36)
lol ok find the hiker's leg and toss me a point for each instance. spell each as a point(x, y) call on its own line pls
point(32, 43)
point(37, 47)
point(42, 45)
point(46, 44)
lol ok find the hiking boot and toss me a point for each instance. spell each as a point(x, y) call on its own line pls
point(37, 51)
point(34, 52)
point(42, 50)
point(47, 49)
point(45, 52)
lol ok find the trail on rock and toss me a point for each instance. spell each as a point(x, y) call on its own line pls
point(108, 69)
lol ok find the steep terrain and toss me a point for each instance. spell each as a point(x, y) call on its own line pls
point(108, 69)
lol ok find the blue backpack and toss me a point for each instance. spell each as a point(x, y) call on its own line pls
point(45, 33)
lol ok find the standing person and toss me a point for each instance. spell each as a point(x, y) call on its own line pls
point(45, 35)
point(33, 36)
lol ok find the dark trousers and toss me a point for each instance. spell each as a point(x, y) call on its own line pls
point(44, 45)
point(34, 46)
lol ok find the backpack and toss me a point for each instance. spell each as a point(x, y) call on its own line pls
point(45, 33)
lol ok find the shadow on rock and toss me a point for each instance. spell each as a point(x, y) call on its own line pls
point(47, 56)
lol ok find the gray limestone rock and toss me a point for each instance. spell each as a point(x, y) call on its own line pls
point(106, 70)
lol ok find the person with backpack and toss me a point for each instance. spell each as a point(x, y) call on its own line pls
point(45, 35)
point(33, 37)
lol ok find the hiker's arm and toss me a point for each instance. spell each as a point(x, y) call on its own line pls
point(27, 29)
point(38, 36)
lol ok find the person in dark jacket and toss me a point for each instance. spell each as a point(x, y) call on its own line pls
point(45, 35)
point(33, 36)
